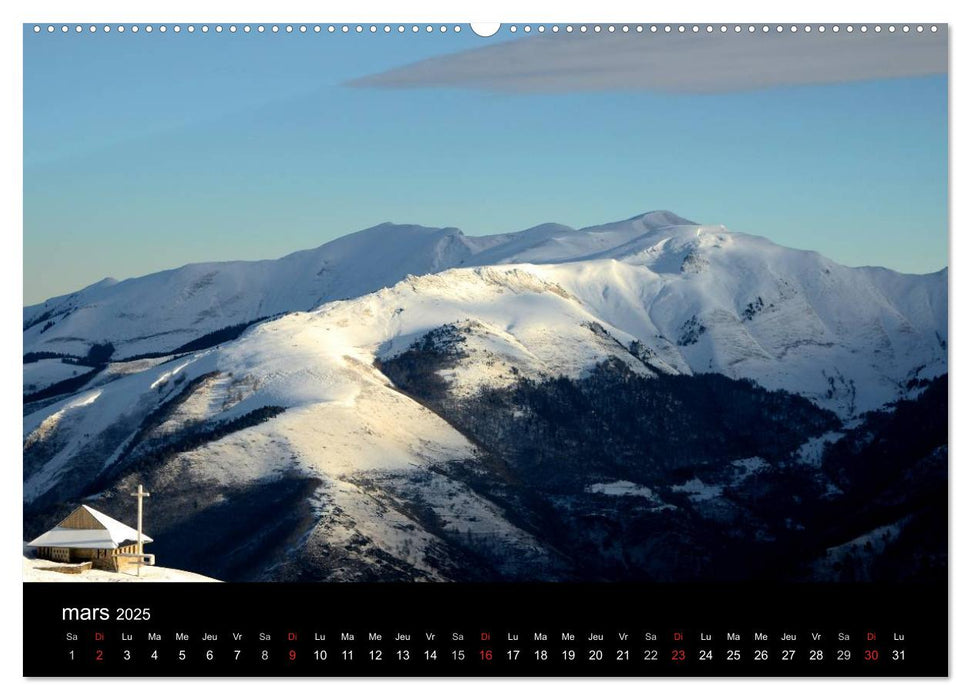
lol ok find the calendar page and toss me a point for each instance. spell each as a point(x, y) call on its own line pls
point(604, 349)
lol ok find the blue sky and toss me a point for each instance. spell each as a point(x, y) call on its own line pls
point(143, 152)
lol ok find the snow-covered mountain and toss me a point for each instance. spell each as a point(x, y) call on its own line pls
point(700, 298)
point(162, 311)
point(360, 428)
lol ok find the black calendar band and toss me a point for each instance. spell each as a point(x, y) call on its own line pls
point(581, 629)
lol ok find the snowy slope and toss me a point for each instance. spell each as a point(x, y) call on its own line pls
point(344, 426)
point(708, 301)
point(342, 417)
point(42, 374)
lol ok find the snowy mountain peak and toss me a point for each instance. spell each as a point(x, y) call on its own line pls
point(388, 232)
point(647, 221)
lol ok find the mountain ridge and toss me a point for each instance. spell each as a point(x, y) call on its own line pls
point(318, 270)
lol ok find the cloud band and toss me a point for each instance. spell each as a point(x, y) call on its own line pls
point(675, 63)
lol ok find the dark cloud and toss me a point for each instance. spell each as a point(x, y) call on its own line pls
point(688, 63)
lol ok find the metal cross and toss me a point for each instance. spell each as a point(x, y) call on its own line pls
point(141, 493)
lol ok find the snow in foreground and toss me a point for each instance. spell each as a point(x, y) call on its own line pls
point(40, 570)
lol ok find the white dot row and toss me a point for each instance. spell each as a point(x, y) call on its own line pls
point(247, 28)
point(513, 29)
